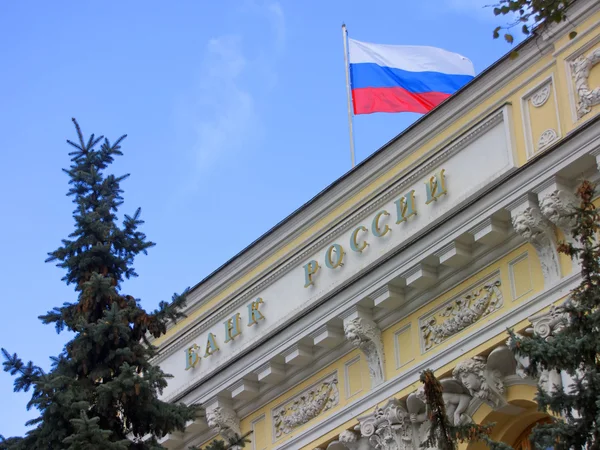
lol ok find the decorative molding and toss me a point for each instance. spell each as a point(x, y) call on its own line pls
point(388, 427)
point(511, 275)
point(315, 400)
point(222, 419)
point(581, 68)
point(461, 312)
point(532, 226)
point(546, 138)
point(557, 204)
point(364, 334)
point(537, 96)
point(547, 324)
point(355, 360)
point(398, 351)
point(541, 96)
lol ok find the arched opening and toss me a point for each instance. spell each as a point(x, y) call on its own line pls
point(523, 442)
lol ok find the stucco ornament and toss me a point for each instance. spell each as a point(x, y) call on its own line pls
point(581, 69)
point(306, 406)
point(483, 377)
point(388, 427)
point(558, 207)
point(541, 96)
point(546, 138)
point(224, 421)
point(546, 325)
point(351, 441)
point(461, 312)
point(538, 231)
point(366, 335)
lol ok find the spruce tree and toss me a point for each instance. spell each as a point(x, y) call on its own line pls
point(102, 391)
point(574, 350)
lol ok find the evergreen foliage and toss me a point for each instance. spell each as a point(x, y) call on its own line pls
point(574, 349)
point(101, 392)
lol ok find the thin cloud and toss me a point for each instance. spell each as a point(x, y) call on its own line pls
point(224, 108)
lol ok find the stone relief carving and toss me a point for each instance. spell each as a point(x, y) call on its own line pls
point(558, 208)
point(224, 421)
point(547, 138)
point(541, 96)
point(306, 406)
point(537, 230)
point(388, 427)
point(483, 376)
point(404, 424)
point(461, 313)
point(581, 68)
point(365, 335)
point(546, 325)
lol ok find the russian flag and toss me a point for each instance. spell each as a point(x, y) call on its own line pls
point(401, 78)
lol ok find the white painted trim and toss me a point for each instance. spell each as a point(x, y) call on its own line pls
point(406, 328)
point(530, 144)
point(254, 422)
point(355, 360)
point(511, 275)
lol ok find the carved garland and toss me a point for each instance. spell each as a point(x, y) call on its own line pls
point(582, 67)
point(461, 313)
point(315, 400)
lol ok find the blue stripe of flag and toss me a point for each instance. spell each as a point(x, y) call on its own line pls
point(369, 75)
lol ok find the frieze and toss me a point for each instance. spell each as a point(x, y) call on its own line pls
point(461, 312)
point(230, 307)
point(320, 397)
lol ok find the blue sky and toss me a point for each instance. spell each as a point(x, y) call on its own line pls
point(235, 113)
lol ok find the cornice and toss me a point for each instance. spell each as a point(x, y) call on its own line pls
point(573, 148)
point(194, 330)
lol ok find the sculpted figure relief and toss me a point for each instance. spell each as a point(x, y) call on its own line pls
point(481, 383)
point(483, 377)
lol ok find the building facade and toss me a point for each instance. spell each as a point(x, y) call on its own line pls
point(421, 257)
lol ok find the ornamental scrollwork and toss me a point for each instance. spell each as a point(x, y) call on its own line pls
point(461, 313)
point(532, 226)
point(581, 68)
point(306, 406)
point(541, 96)
point(224, 421)
point(364, 334)
point(547, 138)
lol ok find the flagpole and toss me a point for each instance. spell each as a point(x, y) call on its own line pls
point(348, 92)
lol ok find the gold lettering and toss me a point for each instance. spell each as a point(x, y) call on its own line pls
point(254, 315)
point(232, 328)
